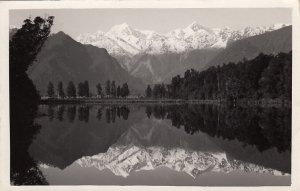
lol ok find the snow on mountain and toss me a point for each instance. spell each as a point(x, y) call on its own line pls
point(124, 40)
point(122, 160)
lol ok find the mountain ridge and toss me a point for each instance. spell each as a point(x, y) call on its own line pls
point(156, 58)
point(125, 40)
point(64, 59)
point(268, 43)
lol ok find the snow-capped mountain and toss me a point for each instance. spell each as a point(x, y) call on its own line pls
point(122, 160)
point(124, 40)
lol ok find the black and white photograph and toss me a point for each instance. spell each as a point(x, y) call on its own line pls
point(150, 96)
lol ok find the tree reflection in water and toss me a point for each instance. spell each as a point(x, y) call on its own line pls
point(83, 113)
point(263, 127)
point(50, 112)
point(111, 112)
point(99, 113)
point(24, 169)
point(71, 113)
point(60, 113)
point(116, 111)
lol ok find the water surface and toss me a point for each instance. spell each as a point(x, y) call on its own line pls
point(184, 145)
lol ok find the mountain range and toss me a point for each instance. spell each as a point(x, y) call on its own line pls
point(125, 40)
point(156, 58)
point(139, 57)
point(248, 48)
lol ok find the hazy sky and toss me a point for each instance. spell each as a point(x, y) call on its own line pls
point(76, 21)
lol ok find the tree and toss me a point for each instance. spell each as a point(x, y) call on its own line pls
point(265, 76)
point(118, 91)
point(156, 91)
point(86, 88)
point(99, 89)
point(83, 89)
point(24, 46)
point(125, 90)
point(80, 89)
point(113, 89)
point(50, 90)
point(71, 90)
point(107, 88)
point(148, 91)
point(60, 90)
point(162, 91)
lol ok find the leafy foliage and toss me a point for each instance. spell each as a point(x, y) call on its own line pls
point(24, 46)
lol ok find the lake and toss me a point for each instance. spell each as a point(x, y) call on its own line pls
point(175, 145)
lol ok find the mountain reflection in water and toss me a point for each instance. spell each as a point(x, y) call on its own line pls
point(191, 139)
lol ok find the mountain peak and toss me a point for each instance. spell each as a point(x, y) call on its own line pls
point(226, 28)
point(122, 39)
point(61, 33)
point(60, 36)
point(277, 26)
point(120, 28)
point(195, 26)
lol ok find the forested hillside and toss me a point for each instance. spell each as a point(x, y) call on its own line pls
point(266, 76)
point(268, 43)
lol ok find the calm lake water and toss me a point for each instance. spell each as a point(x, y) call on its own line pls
point(184, 145)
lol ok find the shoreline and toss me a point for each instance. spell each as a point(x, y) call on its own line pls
point(261, 102)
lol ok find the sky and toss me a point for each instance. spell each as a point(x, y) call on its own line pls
point(77, 21)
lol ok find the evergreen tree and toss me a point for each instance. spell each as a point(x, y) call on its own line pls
point(156, 91)
point(162, 91)
point(99, 89)
point(118, 91)
point(148, 91)
point(60, 90)
point(86, 89)
point(71, 90)
point(80, 89)
point(266, 76)
point(113, 89)
point(108, 88)
point(50, 90)
point(125, 90)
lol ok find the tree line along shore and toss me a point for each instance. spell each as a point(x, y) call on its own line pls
point(264, 80)
point(131, 100)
